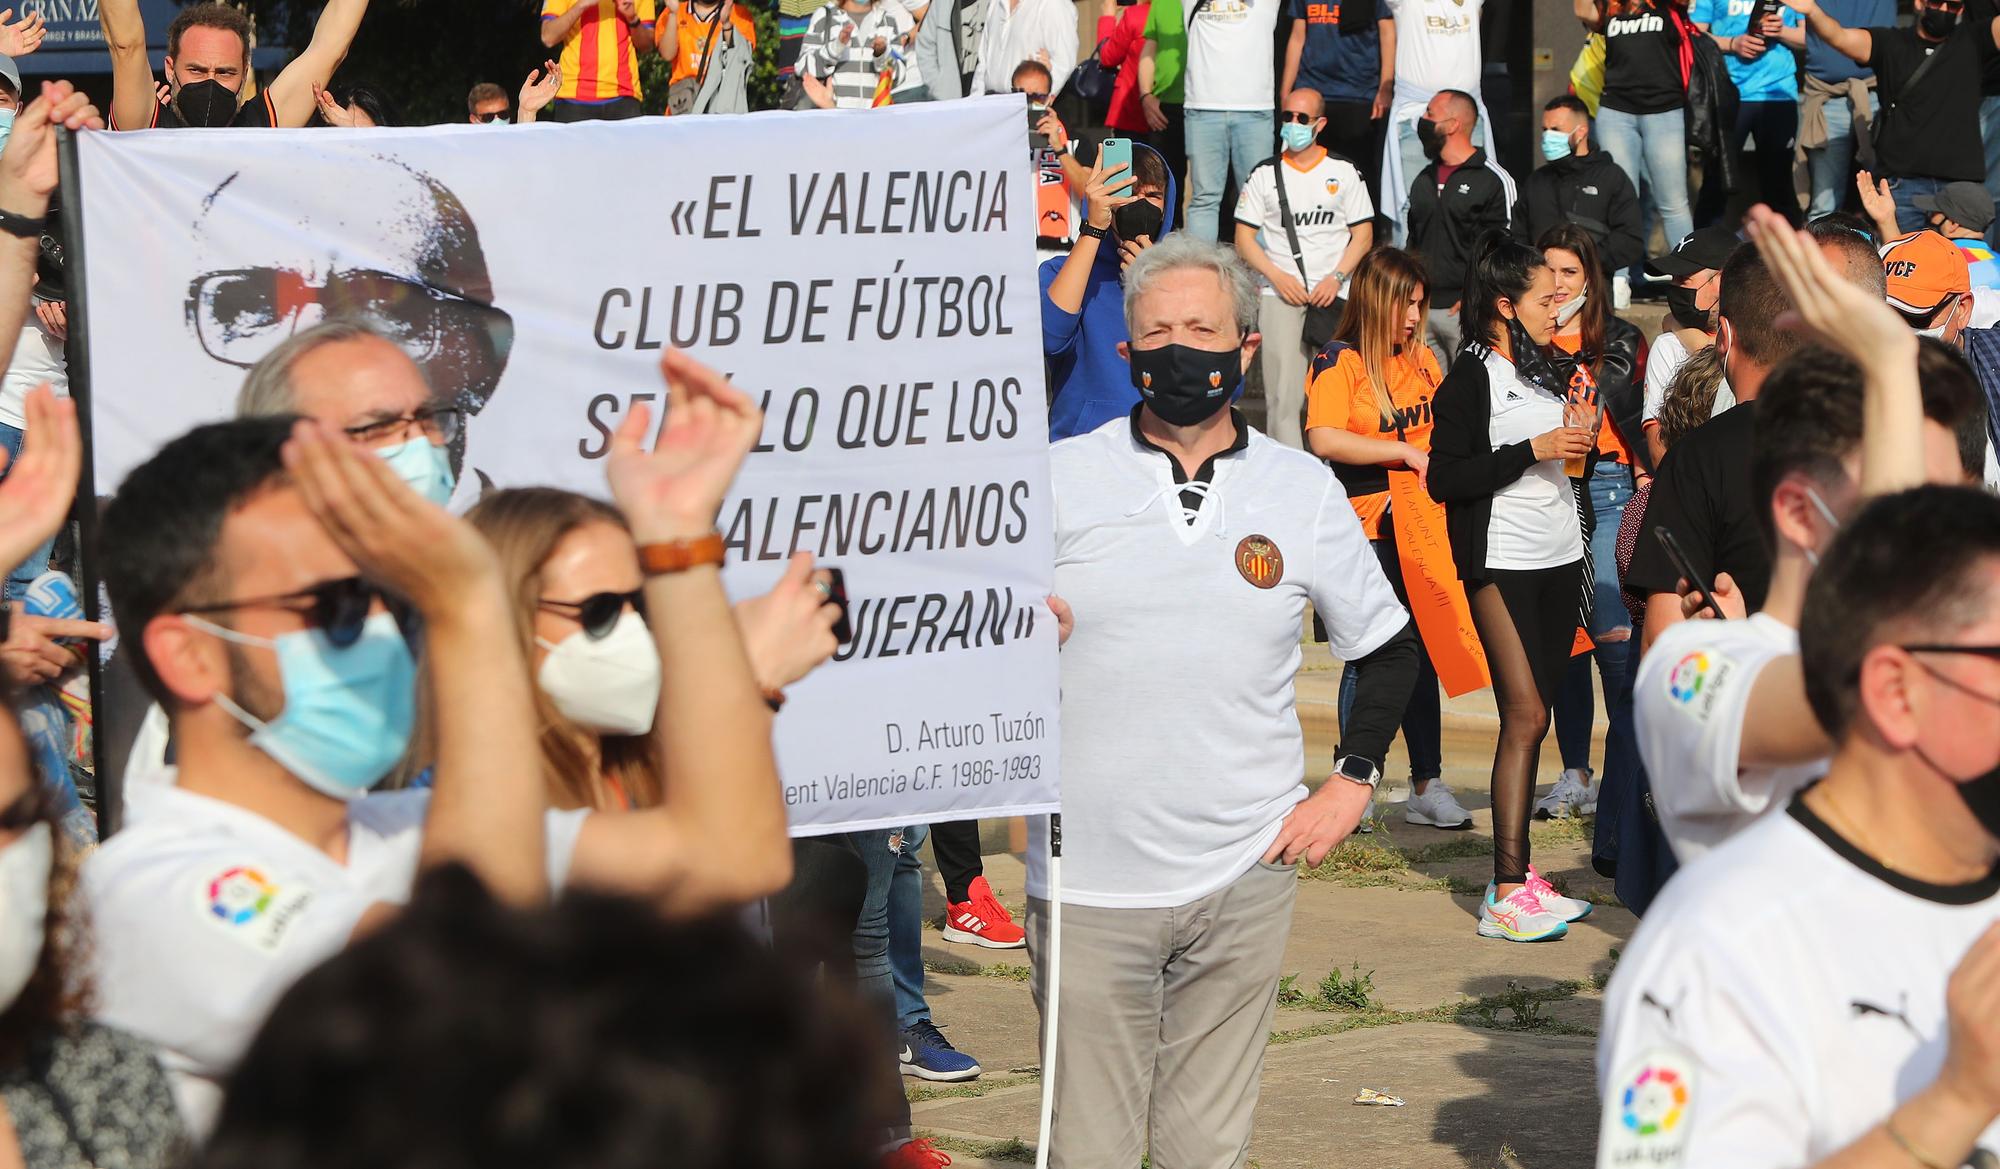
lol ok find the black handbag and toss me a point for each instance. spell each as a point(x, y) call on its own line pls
point(1092, 82)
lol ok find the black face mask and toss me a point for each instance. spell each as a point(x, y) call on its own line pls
point(1936, 23)
point(1429, 138)
point(1138, 218)
point(1982, 796)
point(208, 104)
point(1185, 386)
point(1680, 302)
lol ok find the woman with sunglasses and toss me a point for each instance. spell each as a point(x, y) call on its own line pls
point(574, 571)
point(1504, 430)
point(1368, 412)
point(1613, 351)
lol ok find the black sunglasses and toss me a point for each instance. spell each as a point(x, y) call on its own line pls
point(599, 612)
point(1295, 116)
point(338, 608)
point(488, 117)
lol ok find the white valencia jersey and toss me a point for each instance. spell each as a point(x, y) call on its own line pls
point(1780, 999)
point(204, 913)
point(1181, 747)
point(1688, 705)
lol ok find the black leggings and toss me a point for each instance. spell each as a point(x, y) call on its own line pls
point(1527, 621)
point(956, 846)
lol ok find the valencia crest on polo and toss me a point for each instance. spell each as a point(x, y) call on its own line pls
point(1260, 562)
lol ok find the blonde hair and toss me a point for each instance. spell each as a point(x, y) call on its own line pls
point(1373, 322)
point(524, 525)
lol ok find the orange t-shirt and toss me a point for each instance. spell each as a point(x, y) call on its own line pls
point(1340, 397)
point(1610, 440)
point(695, 36)
point(599, 62)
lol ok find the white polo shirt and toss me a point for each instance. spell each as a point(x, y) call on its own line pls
point(1781, 998)
point(204, 913)
point(1688, 705)
point(1181, 749)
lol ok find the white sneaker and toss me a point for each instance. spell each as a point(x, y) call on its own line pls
point(1574, 795)
point(1621, 292)
point(1567, 908)
point(1436, 808)
point(1520, 917)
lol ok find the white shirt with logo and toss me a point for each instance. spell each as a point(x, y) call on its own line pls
point(1181, 749)
point(1229, 55)
point(1328, 198)
point(1782, 997)
point(204, 913)
point(1689, 703)
point(1437, 47)
point(1534, 522)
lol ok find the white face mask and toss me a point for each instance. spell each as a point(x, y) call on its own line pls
point(1567, 310)
point(24, 909)
point(611, 686)
point(1825, 513)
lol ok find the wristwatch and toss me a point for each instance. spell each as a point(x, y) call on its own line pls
point(1092, 230)
point(1355, 769)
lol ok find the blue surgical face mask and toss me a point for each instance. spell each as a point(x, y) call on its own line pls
point(348, 712)
point(6, 125)
point(424, 465)
point(1296, 137)
point(1556, 145)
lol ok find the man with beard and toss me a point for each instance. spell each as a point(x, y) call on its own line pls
point(1459, 197)
point(415, 274)
point(208, 60)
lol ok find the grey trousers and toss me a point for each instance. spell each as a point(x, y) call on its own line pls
point(1165, 1014)
point(1285, 364)
point(1445, 337)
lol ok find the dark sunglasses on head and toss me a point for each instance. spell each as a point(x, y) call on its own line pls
point(599, 612)
point(338, 608)
point(1295, 116)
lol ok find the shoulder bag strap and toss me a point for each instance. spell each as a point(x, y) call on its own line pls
point(1285, 213)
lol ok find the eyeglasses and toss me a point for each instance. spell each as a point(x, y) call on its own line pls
point(1285, 116)
point(241, 314)
point(1034, 99)
point(338, 608)
point(438, 423)
point(599, 612)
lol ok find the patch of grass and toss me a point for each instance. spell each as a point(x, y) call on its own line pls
point(1523, 1006)
point(958, 966)
point(1461, 848)
point(1289, 994)
point(1013, 1149)
point(1010, 973)
point(1353, 991)
point(1568, 830)
point(971, 1090)
point(1602, 978)
point(1359, 855)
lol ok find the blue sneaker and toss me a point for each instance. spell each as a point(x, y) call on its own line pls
point(928, 1054)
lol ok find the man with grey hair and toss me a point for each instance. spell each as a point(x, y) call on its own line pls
point(1187, 548)
point(345, 375)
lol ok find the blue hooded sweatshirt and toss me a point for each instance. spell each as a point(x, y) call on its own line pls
point(1089, 383)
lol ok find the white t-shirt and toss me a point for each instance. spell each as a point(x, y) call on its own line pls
point(1534, 522)
point(1181, 750)
point(204, 913)
point(1663, 361)
point(1437, 47)
point(38, 358)
point(1229, 55)
point(1328, 200)
point(1780, 999)
point(1689, 701)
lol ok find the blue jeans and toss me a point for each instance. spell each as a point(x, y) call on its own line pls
point(872, 975)
point(1652, 151)
point(1423, 733)
point(1909, 218)
point(1576, 707)
point(1219, 141)
point(1832, 165)
point(1989, 133)
point(906, 929)
point(23, 574)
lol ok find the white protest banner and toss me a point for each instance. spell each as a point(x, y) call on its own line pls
point(868, 276)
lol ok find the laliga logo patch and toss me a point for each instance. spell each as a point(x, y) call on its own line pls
point(1645, 1122)
point(1259, 561)
point(250, 907)
point(1684, 681)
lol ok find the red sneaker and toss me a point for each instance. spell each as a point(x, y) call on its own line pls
point(917, 1155)
point(981, 920)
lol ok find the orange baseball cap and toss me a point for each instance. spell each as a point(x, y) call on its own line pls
point(1923, 271)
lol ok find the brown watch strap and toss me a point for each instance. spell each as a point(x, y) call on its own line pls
point(680, 555)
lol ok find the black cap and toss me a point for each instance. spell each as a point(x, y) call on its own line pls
point(1710, 247)
point(1966, 204)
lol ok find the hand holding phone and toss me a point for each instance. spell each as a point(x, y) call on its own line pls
point(1684, 565)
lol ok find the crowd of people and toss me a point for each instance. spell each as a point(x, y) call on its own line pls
point(392, 737)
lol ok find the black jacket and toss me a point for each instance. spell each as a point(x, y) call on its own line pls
point(1619, 387)
point(1444, 225)
point(1712, 102)
point(1466, 471)
point(1592, 192)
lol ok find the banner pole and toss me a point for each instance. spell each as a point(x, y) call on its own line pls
point(1054, 997)
point(76, 356)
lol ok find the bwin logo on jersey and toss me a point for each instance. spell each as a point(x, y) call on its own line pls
point(1631, 24)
